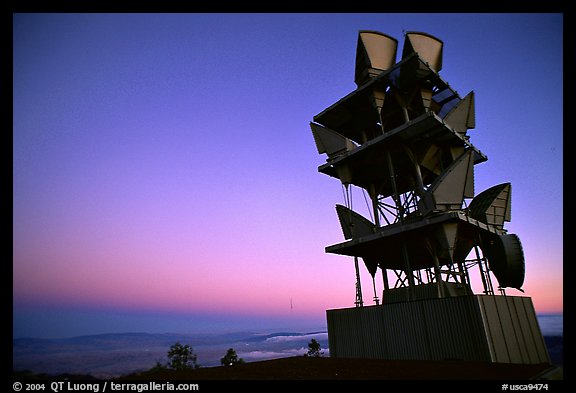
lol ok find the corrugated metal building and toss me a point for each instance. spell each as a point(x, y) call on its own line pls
point(499, 329)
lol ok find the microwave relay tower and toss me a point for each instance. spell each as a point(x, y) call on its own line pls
point(401, 139)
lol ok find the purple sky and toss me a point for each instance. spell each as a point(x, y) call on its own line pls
point(165, 176)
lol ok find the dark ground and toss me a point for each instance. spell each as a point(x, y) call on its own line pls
point(325, 368)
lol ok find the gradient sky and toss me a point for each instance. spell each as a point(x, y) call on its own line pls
point(165, 175)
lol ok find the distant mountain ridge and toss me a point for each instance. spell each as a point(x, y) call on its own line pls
point(113, 339)
point(285, 334)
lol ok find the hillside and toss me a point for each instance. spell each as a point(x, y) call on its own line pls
point(325, 368)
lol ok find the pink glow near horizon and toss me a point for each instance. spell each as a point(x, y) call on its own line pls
point(206, 274)
point(216, 281)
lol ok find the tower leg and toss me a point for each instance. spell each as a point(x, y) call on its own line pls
point(359, 302)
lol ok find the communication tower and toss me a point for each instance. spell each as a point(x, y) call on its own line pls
point(401, 138)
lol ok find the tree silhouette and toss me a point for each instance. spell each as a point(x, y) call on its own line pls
point(314, 349)
point(231, 358)
point(181, 357)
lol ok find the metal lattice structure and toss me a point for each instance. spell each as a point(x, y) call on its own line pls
point(401, 137)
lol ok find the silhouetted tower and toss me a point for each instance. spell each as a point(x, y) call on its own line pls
point(401, 137)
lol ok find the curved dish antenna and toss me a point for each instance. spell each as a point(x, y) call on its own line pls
point(353, 224)
point(375, 53)
point(462, 116)
point(493, 206)
point(506, 260)
point(329, 141)
point(428, 47)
